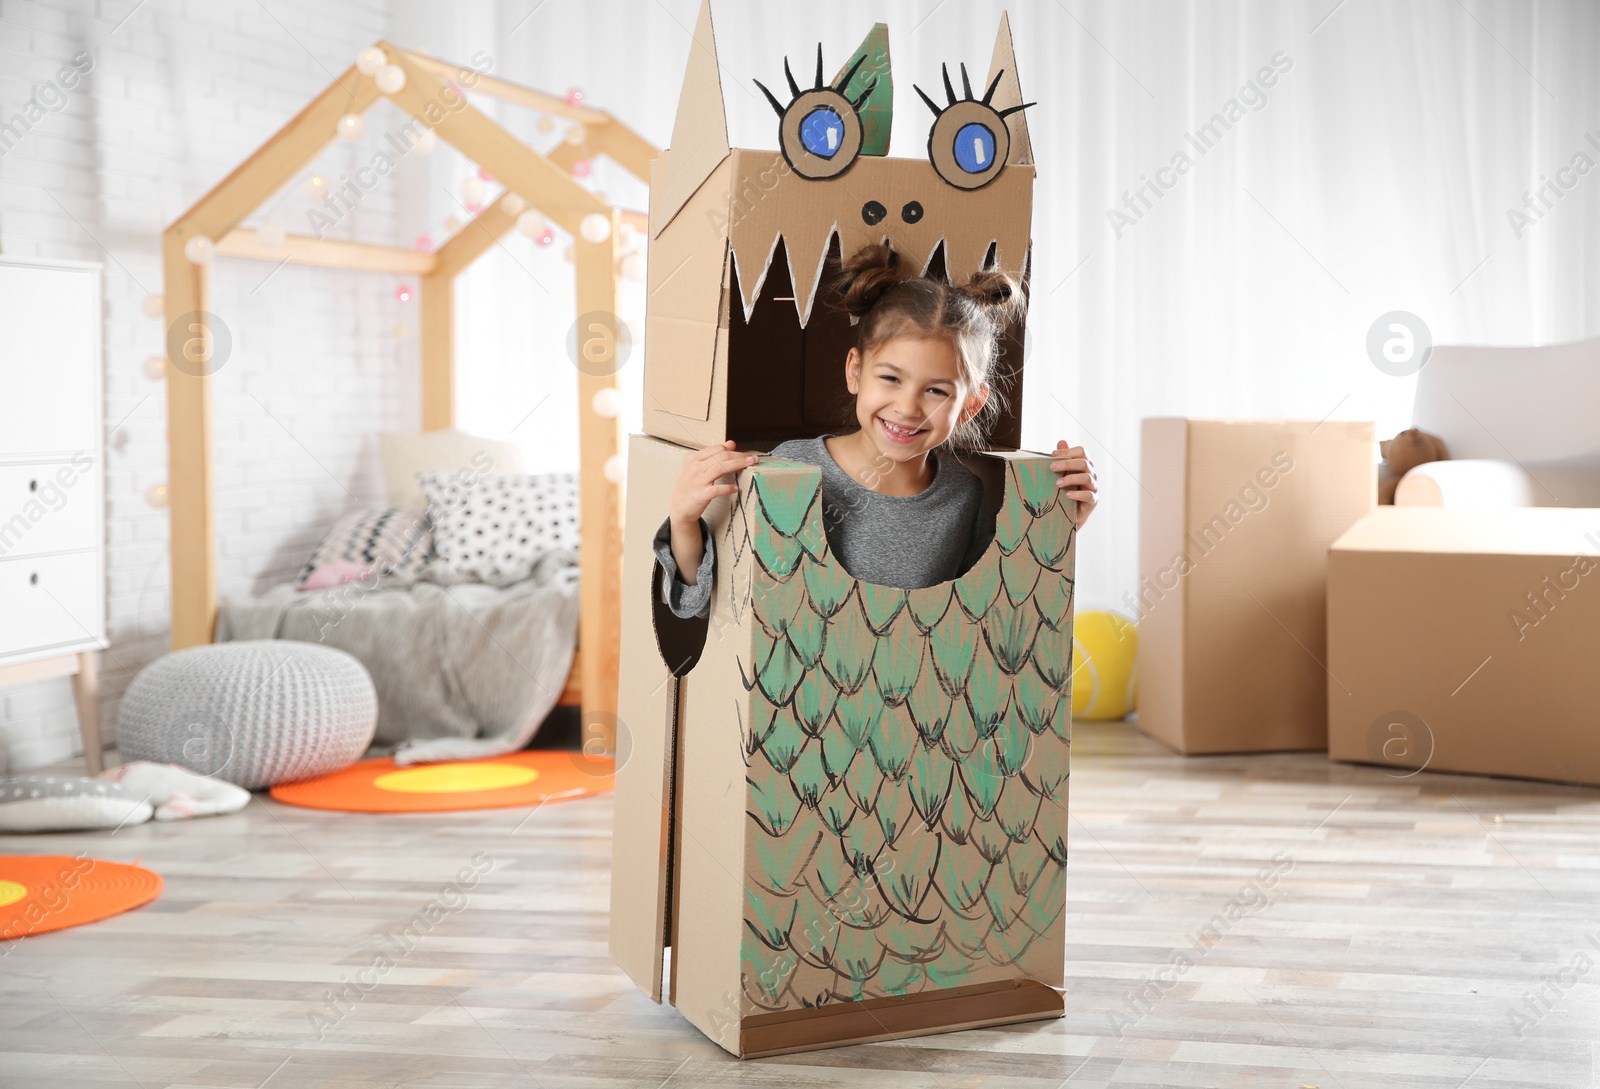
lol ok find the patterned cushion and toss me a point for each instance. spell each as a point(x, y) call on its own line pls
point(392, 541)
point(496, 528)
point(65, 803)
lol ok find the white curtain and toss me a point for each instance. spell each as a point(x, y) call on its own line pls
point(1375, 173)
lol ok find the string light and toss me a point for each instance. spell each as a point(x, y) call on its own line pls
point(404, 293)
point(369, 60)
point(316, 186)
point(595, 228)
point(155, 367)
point(153, 305)
point(580, 169)
point(615, 469)
point(471, 190)
point(532, 224)
point(513, 204)
point(607, 402)
point(198, 250)
point(575, 135)
point(427, 143)
point(391, 79)
point(156, 495)
point(351, 127)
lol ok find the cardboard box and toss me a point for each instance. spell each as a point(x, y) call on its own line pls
point(740, 341)
point(1235, 522)
point(848, 814)
point(1467, 640)
point(843, 806)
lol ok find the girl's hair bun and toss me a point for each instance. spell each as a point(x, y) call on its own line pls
point(998, 294)
point(866, 276)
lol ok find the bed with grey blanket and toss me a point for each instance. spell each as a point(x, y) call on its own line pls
point(463, 670)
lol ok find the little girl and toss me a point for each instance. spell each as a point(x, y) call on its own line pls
point(895, 511)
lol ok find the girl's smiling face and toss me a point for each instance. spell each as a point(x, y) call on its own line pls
point(909, 396)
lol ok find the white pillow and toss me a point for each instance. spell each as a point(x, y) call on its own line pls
point(495, 529)
point(56, 803)
point(448, 451)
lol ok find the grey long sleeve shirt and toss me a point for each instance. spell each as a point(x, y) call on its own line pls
point(906, 541)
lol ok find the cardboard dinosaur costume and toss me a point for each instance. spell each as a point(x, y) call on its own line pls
point(842, 806)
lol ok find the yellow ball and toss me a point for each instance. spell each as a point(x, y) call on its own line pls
point(1105, 666)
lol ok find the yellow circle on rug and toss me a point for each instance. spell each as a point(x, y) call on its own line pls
point(456, 778)
point(542, 775)
point(11, 892)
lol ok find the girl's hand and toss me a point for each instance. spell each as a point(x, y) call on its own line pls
point(1078, 476)
point(699, 482)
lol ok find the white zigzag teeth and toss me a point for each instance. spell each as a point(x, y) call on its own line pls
point(808, 262)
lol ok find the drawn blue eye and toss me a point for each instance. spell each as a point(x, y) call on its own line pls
point(822, 132)
point(819, 131)
point(974, 148)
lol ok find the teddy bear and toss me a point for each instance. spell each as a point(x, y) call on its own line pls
point(1403, 453)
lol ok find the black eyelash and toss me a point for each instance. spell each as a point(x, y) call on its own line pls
point(819, 84)
point(966, 85)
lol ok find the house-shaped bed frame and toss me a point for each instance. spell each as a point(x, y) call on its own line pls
point(545, 183)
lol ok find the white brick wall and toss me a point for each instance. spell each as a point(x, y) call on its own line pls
point(179, 94)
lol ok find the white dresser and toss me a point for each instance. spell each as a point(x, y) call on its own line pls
point(52, 503)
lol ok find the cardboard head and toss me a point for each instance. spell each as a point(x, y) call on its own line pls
point(826, 127)
point(738, 224)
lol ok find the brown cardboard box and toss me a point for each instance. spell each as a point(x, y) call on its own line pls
point(1467, 640)
point(848, 816)
point(1235, 521)
point(844, 808)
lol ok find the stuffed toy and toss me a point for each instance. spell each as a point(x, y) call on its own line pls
point(1403, 453)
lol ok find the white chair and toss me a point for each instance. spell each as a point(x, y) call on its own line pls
point(1520, 425)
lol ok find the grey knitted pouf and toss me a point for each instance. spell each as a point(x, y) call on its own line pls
point(255, 713)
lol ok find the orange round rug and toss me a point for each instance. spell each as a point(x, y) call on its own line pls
point(40, 893)
point(519, 778)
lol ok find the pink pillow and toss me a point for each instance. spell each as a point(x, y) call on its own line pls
point(336, 573)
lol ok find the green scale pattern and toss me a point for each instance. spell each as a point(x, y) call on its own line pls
point(907, 752)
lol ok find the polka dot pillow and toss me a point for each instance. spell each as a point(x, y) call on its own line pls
point(496, 528)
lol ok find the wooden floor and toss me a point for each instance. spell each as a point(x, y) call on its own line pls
point(1400, 925)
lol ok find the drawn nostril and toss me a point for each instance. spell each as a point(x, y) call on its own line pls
point(873, 213)
point(912, 212)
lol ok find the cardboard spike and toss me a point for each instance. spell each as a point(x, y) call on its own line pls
point(752, 257)
point(807, 255)
point(1006, 97)
point(842, 82)
point(869, 67)
point(699, 132)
